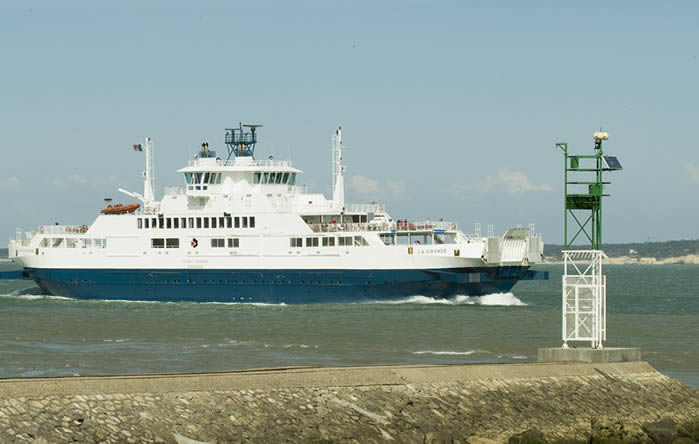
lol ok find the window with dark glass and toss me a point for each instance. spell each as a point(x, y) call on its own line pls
point(206, 222)
point(252, 221)
point(157, 243)
point(237, 222)
point(139, 223)
point(172, 243)
point(245, 222)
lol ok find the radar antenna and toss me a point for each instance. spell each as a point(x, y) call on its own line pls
point(242, 143)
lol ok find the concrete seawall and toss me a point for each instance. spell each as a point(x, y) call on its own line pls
point(628, 401)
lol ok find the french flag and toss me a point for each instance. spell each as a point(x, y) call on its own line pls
point(138, 147)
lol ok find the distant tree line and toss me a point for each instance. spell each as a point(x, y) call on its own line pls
point(658, 250)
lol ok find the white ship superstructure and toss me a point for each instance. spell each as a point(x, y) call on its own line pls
point(242, 230)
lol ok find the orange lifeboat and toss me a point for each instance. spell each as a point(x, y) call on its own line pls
point(120, 209)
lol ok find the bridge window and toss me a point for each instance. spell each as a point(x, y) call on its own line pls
point(279, 178)
point(388, 239)
point(286, 178)
point(265, 177)
point(292, 179)
point(256, 178)
point(188, 178)
point(359, 241)
point(197, 178)
point(172, 243)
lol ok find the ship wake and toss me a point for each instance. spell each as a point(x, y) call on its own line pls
point(495, 299)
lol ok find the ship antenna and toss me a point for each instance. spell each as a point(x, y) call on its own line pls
point(337, 170)
point(148, 185)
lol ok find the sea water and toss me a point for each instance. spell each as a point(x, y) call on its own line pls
point(653, 307)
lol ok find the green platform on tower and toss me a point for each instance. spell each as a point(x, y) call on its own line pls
point(584, 190)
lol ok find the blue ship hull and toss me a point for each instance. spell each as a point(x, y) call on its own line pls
point(276, 286)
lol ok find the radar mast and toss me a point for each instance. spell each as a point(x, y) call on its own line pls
point(241, 143)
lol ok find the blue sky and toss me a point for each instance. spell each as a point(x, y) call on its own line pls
point(449, 109)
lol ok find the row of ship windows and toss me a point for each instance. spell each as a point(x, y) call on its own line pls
point(196, 178)
point(328, 241)
point(294, 242)
point(195, 222)
point(175, 243)
point(275, 178)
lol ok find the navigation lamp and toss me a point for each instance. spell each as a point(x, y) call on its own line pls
point(599, 136)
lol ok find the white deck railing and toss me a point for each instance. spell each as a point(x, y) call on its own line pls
point(256, 163)
point(63, 229)
point(391, 226)
point(364, 208)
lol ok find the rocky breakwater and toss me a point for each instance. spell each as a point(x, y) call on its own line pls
point(468, 403)
point(691, 259)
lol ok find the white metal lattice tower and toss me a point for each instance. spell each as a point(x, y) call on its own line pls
point(584, 297)
point(477, 229)
point(491, 230)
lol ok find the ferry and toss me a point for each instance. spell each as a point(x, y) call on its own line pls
point(241, 229)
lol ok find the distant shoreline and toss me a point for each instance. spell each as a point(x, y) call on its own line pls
point(690, 259)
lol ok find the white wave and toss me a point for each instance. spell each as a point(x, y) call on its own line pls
point(300, 346)
point(257, 304)
point(448, 353)
point(495, 299)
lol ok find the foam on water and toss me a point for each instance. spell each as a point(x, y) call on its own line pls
point(495, 299)
point(448, 353)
